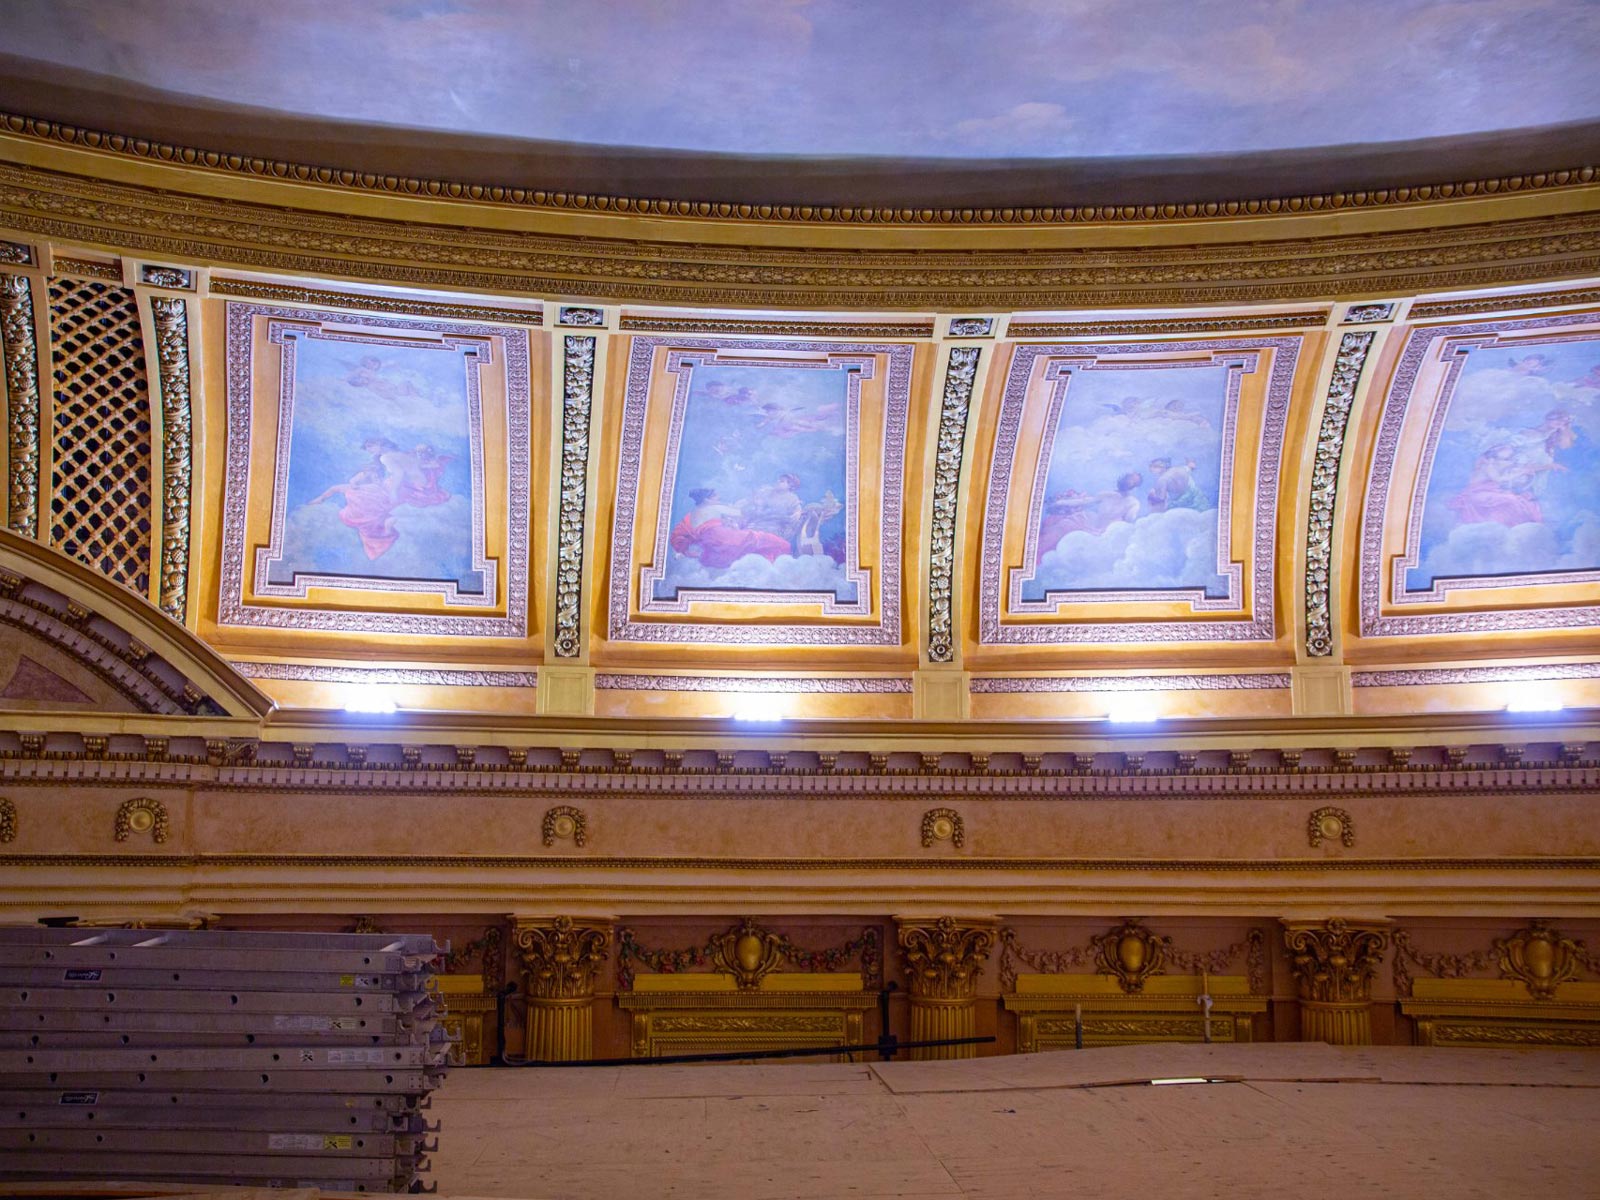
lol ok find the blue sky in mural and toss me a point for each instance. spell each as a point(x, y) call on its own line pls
point(939, 78)
point(1515, 485)
point(1131, 494)
point(380, 470)
point(758, 502)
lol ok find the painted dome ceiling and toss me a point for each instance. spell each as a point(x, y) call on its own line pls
point(1009, 100)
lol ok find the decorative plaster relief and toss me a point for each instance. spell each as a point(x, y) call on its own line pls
point(22, 403)
point(172, 359)
point(609, 682)
point(425, 676)
point(1500, 422)
point(761, 501)
point(1347, 366)
point(577, 395)
point(381, 469)
point(1020, 684)
point(959, 377)
point(1130, 491)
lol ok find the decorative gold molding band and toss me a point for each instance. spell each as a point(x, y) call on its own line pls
point(192, 228)
point(958, 381)
point(1347, 367)
point(643, 322)
point(467, 862)
point(172, 361)
point(1502, 303)
point(290, 294)
point(1310, 319)
point(577, 397)
point(22, 411)
point(41, 130)
point(88, 268)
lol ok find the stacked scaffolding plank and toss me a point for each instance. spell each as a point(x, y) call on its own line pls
point(267, 1059)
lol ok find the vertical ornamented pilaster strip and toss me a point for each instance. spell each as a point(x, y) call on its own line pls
point(22, 412)
point(958, 379)
point(172, 358)
point(1347, 366)
point(942, 963)
point(1333, 963)
point(578, 390)
point(559, 962)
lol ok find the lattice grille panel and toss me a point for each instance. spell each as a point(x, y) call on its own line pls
point(100, 509)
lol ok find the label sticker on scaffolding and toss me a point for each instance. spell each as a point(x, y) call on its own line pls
point(80, 1098)
point(374, 1055)
point(309, 1141)
point(313, 1023)
point(82, 975)
point(361, 981)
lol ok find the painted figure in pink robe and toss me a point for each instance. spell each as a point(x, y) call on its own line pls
point(393, 478)
point(715, 534)
point(1508, 476)
point(1072, 511)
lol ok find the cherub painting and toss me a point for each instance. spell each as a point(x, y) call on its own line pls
point(1130, 497)
point(379, 476)
point(1514, 485)
point(755, 504)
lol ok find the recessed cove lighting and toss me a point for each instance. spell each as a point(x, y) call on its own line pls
point(1133, 708)
point(1532, 697)
point(762, 707)
point(369, 698)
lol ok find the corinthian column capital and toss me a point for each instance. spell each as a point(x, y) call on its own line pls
point(560, 957)
point(1334, 960)
point(943, 958)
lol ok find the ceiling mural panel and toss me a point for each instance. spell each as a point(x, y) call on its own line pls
point(773, 510)
point(378, 474)
point(1136, 480)
point(1483, 505)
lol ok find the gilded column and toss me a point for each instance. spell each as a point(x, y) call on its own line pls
point(1333, 963)
point(559, 962)
point(942, 963)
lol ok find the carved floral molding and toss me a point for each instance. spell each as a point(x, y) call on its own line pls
point(749, 952)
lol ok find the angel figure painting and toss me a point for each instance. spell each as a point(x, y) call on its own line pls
point(1514, 486)
point(379, 483)
point(1130, 495)
point(757, 500)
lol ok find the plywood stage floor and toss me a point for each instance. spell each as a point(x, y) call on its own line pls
point(1297, 1121)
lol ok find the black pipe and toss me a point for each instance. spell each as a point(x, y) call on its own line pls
point(742, 1055)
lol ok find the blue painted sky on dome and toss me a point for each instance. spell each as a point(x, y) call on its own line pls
point(898, 78)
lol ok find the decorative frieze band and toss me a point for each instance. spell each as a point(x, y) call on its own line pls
point(1026, 684)
point(423, 676)
point(1422, 676)
point(872, 685)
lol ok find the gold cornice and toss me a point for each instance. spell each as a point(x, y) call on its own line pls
point(1513, 302)
point(810, 865)
point(1311, 319)
point(647, 323)
point(231, 164)
point(1271, 260)
point(284, 293)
